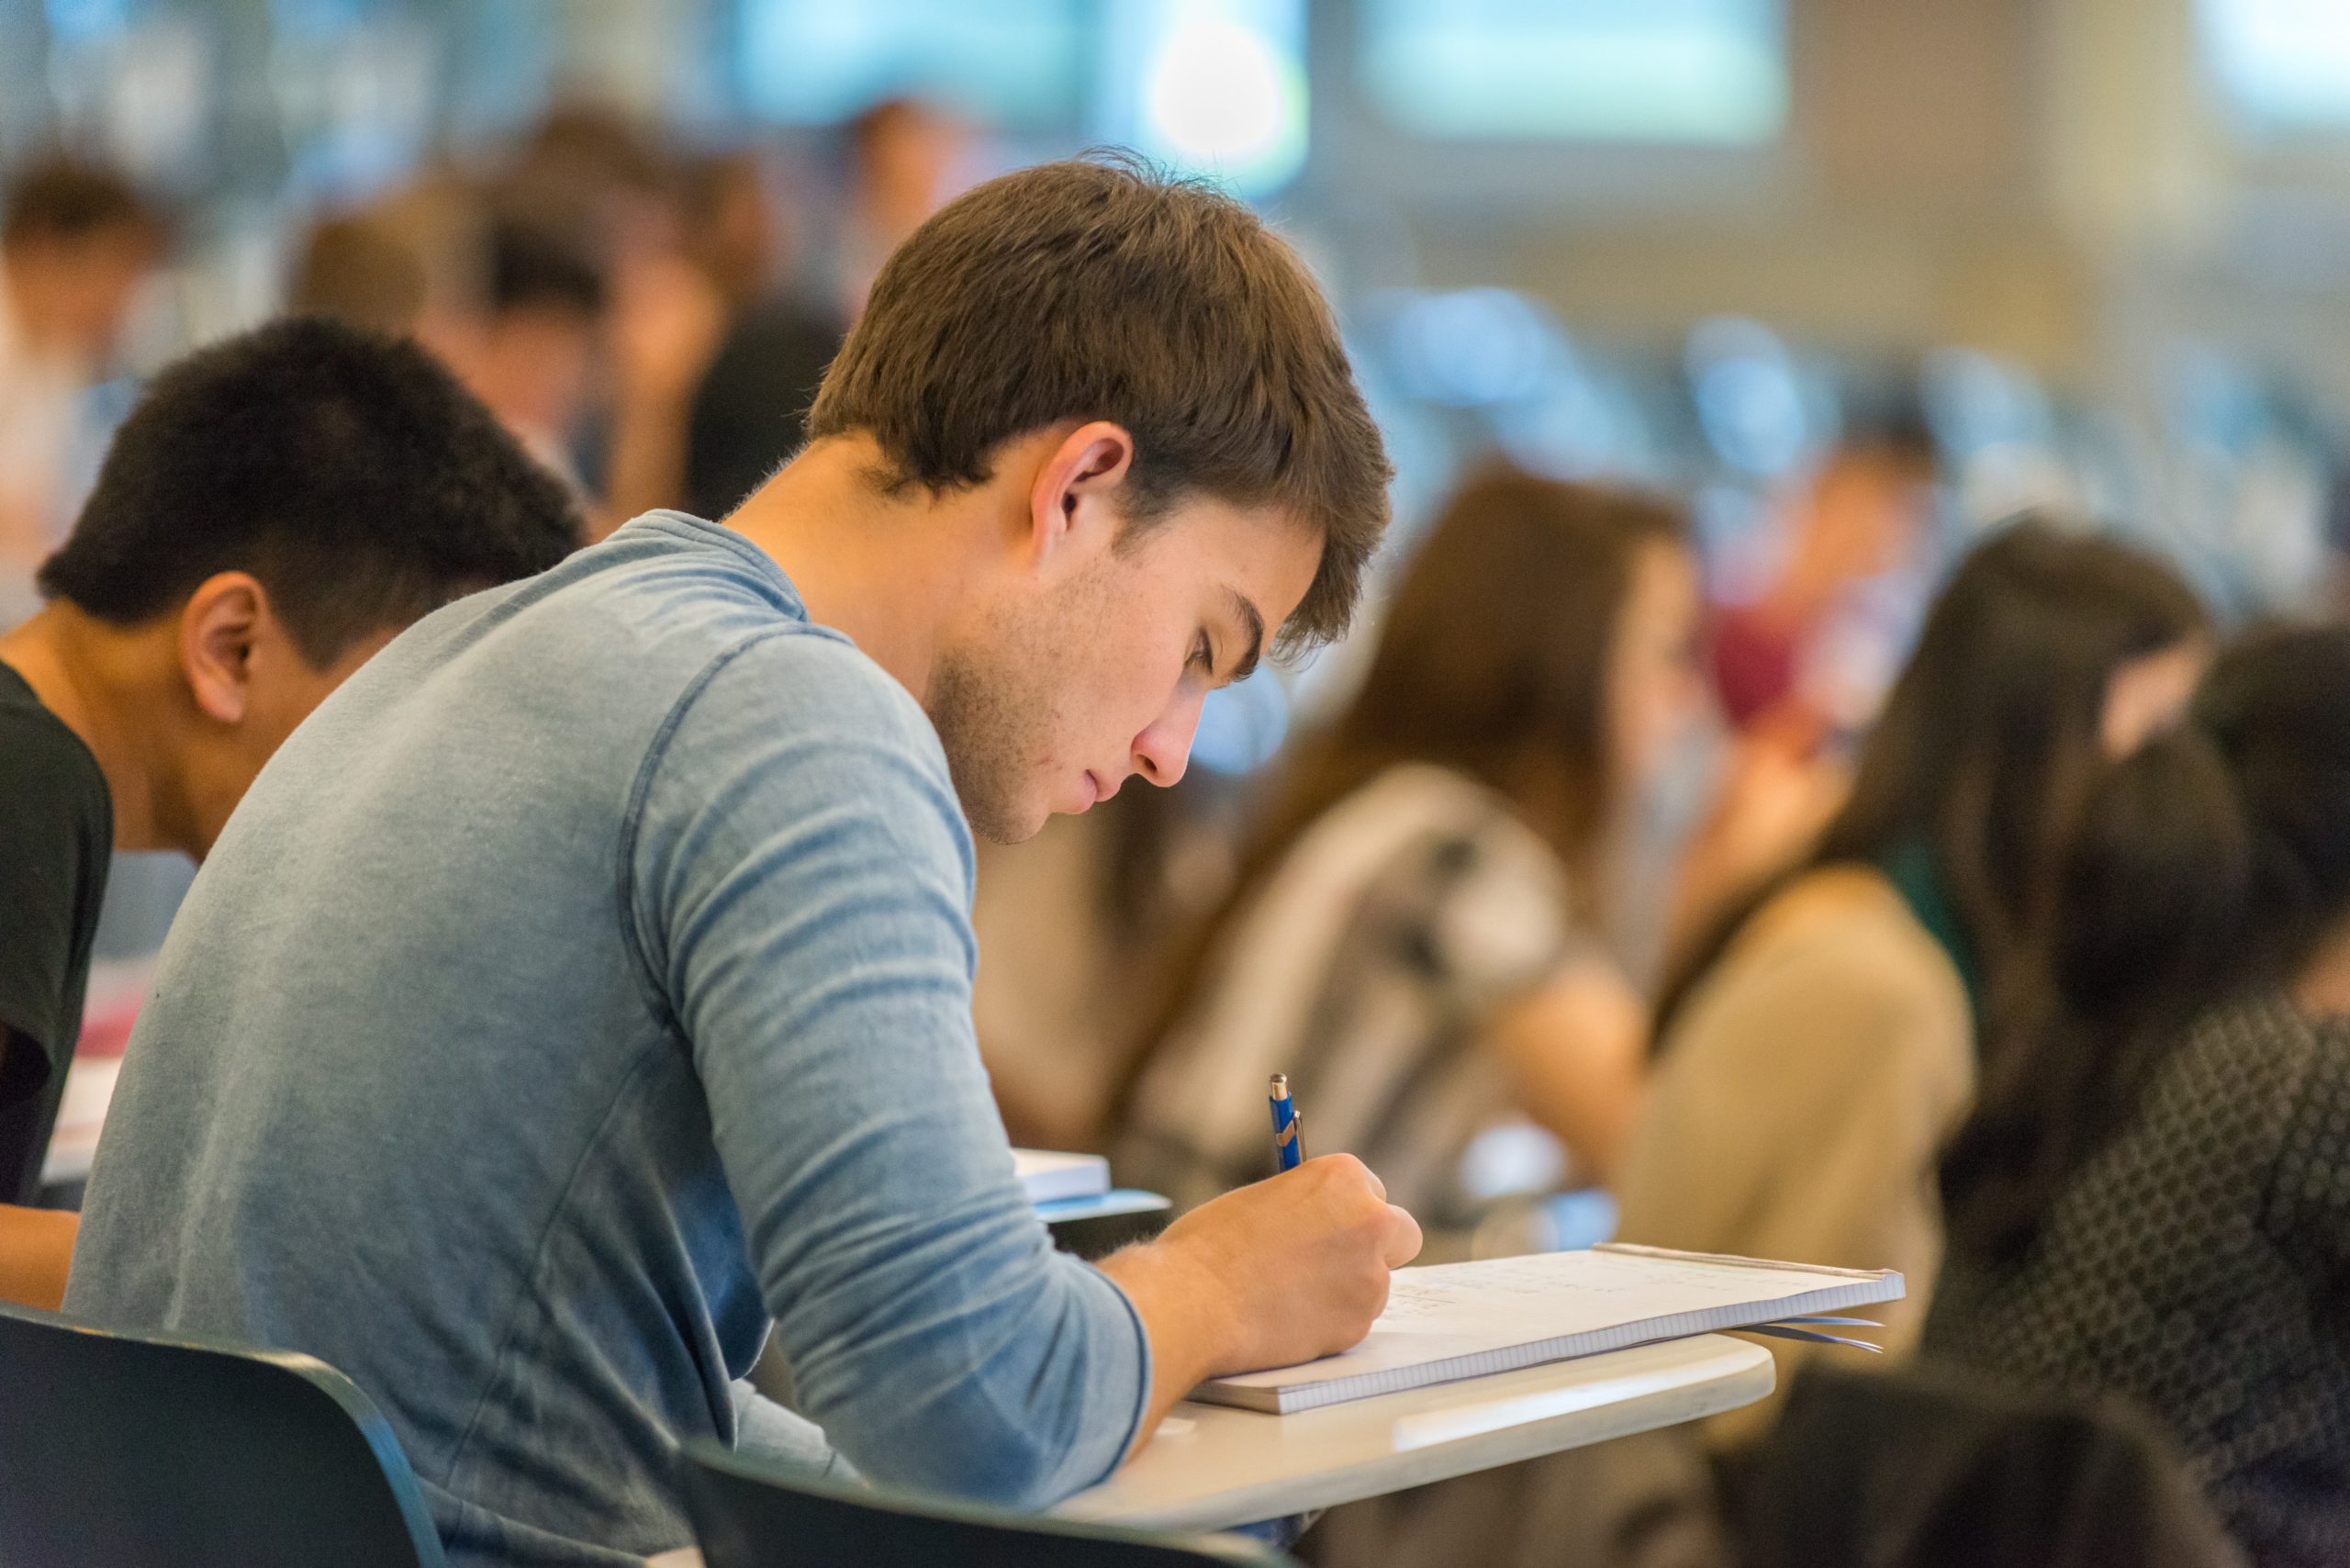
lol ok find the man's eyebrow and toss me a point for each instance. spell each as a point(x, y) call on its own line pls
point(1253, 623)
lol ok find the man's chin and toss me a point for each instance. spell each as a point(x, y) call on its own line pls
point(1015, 825)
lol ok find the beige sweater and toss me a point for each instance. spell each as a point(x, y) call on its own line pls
point(1803, 1097)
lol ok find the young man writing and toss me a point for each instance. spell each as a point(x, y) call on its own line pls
point(589, 983)
point(274, 510)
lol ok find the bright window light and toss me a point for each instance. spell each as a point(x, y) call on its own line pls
point(1210, 86)
point(2281, 65)
point(1703, 71)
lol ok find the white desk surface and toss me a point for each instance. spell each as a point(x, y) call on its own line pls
point(1211, 1467)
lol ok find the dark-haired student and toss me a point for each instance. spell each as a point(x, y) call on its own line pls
point(1817, 1052)
point(274, 510)
point(612, 1002)
point(2153, 1198)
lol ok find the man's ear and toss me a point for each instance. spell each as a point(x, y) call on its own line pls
point(1076, 487)
point(219, 626)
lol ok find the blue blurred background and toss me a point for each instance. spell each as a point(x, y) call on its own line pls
point(1675, 239)
point(2090, 250)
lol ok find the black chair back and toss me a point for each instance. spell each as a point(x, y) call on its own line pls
point(1932, 1467)
point(746, 1516)
point(118, 1450)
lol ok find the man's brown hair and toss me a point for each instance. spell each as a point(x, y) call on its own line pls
point(1099, 289)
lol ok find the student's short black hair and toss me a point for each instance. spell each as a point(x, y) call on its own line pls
point(347, 471)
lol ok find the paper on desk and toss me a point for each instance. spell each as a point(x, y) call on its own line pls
point(1466, 1319)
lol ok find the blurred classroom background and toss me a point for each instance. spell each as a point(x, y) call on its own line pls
point(1855, 281)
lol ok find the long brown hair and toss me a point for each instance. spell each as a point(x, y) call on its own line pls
point(1990, 737)
point(2212, 864)
point(1494, 661)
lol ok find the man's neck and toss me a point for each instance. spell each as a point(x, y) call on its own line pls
point(104, 683)
point(888, 570)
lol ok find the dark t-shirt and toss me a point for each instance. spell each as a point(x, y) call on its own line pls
point(56, 831)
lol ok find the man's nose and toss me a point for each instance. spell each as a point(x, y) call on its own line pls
point(1163, 751)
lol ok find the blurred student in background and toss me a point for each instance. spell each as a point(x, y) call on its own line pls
point(1413, 937)
point(410, 263)
point(263, 524)
point(75, 243)
point(512, 297)
point(1816, 1053)
point(1865, 512)
point(2150, 1199)
point(907, 158)
point(903, 159)
point(545, 311)
point(732, 226)
point(749, 411)
point(1803, 660)
point(569, 288)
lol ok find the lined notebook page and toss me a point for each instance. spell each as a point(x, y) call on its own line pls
point(1455, 1320)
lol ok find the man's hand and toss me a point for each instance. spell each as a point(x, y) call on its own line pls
point(1296, 1266)
point(1268, 1275)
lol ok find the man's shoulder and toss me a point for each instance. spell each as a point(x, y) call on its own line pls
point(812, 681)
point(623, 634)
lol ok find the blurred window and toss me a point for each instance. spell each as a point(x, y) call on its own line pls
point(2280, 65)
point(1704, 71)
point(1007, 62)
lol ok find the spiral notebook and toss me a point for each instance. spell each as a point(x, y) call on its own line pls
point(1458, 1320)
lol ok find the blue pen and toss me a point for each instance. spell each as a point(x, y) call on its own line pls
point(1289, 1141)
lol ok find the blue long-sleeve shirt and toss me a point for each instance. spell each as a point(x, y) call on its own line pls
point(586, 983)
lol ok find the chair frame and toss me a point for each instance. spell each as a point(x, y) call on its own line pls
point(315, 1376)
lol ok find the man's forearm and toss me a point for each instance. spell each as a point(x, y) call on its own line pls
point(1187, 1343)
point(36, 1247)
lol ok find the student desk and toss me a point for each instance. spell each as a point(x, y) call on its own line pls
point(1211, 1468)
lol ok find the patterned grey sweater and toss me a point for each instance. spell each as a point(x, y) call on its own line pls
point(2198, 1265)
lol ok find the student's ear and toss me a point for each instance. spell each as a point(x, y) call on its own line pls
point(220, 625)
point(1075, 488)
